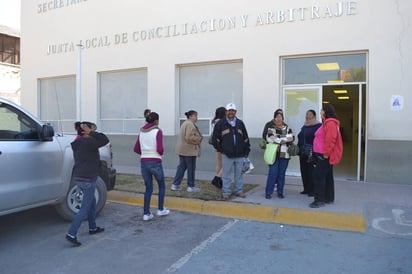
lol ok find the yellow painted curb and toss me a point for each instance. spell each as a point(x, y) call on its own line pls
point(262, 213)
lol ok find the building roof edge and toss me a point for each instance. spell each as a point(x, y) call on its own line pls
point(9, 31)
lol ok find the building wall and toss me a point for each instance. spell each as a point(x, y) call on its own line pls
point(390, 161)
point(108, 30)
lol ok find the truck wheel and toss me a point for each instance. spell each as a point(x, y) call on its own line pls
point(69, 207)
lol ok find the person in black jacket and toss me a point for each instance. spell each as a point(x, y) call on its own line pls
point(85, 171)
point(230, 137)
point(305, 143)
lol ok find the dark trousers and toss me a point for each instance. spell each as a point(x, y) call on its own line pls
point(186, 163)
point(306, 171)
point(323, 181)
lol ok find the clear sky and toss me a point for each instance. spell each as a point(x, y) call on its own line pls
point(10, 13)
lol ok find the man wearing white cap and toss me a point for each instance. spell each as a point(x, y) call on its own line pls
point(231, 139)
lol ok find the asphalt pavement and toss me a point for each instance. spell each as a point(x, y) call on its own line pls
point(357, 206)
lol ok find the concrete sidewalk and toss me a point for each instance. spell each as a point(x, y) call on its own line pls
point(347, 213)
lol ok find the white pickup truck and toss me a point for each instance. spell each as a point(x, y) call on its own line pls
point(36, 166)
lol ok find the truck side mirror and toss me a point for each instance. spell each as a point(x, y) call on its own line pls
point(47, 133)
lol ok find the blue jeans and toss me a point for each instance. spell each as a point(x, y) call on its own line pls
point(277, 173)
point(229, 165)
point(189, 163)
point(88, 207)
point(150, 169)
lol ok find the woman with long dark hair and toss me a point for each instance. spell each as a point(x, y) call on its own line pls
point(220, 113)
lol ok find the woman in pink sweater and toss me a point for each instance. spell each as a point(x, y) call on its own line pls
point(328, 148)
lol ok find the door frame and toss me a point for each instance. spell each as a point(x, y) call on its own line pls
point(360, 117)
point(294, 165)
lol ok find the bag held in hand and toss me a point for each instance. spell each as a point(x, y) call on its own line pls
point(270, 153)
point(293, 149)
point(262, 144)
point(217, 182)
point(247, 166)
point(210, 141)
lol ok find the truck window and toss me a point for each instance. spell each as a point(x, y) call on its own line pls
point(15, 125)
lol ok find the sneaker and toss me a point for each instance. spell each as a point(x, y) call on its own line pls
point(163, 212)
point(147, 217)
point(73, 240)
point(175, 187)
point(96, 230)
point(193, 189)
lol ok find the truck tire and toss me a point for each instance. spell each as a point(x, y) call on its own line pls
point(104, 174)
point(71, 204)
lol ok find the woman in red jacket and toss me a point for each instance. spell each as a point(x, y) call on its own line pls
point(328, 148)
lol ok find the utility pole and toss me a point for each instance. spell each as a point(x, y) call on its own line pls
point(79, 84)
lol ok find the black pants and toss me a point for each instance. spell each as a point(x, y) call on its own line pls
point(306, 171)
point(323, 181)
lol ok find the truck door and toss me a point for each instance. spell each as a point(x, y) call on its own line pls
point(29, 167)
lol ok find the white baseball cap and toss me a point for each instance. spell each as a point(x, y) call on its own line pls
point(231, 106)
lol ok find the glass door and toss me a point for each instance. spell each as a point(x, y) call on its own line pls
point(349, 101)
point(297, 101)
point(350, 104)
point(339, 79)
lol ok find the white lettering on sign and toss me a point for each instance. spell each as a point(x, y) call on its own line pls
point(231, 23)
point(46, 6)
point(60, 48)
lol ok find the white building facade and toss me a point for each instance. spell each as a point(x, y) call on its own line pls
point(107, 61)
